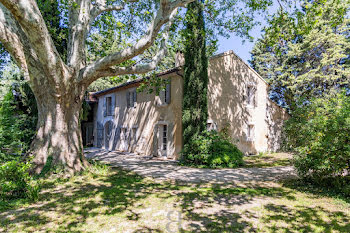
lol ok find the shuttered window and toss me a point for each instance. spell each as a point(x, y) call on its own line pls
point(109, 106)
point(131, 98)
point(165, 95)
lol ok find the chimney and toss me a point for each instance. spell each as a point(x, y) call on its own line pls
point(179, 59)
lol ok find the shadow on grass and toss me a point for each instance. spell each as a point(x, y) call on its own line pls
point(318, 190)
point(304, 219)
point(68, 206)
point(75, 202)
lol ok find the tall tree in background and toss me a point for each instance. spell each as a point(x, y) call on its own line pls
point(304, 54)
point(195, 99)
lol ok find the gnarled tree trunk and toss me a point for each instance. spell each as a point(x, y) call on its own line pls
point(59, 133)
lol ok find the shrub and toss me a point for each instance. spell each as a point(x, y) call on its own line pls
point(213, 150)
point(15, 181)
point(318, 133)
point(17, 124)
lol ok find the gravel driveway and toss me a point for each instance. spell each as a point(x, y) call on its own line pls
point(169, 170)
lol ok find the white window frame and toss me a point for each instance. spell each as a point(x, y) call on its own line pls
point(165, 137)
point(250, 132)
point(251, 91)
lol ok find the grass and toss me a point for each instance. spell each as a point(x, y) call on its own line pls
point(268, 160)
point(114, 200)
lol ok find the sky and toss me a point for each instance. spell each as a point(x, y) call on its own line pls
point(236, 44)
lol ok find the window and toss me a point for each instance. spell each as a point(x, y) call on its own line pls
point(109, 106)
point(165, 137)
point(165, 95)
point(250, 133)
point(131, 98)
point(251, 95)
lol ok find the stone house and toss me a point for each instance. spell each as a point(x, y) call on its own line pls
point(147, 124)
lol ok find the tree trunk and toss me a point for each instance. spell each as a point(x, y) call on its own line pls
point(59, 131)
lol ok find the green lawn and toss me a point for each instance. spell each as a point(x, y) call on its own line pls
point(268, 160)
point(119, 201)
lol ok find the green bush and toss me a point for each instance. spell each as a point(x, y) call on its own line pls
point(213, 150)
point(319, 134)
point(15, 181)
point(18, 119)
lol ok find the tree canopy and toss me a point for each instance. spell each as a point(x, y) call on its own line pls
point(305, 52)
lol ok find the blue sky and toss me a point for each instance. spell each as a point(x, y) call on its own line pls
point(236, 44)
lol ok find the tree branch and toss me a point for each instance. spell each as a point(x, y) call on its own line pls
point(28, 16)
point(141, 68)
point(165, 13)
point(15, 41)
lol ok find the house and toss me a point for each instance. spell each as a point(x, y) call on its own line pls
point(147, 124)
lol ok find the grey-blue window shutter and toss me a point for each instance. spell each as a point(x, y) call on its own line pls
point(104, 106)
point(127, 99)
point(99, 134)
point(155, 141)
point(113, 105)
point(168, 92)
point(135, 96)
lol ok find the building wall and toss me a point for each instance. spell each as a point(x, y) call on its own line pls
point(229, 78)
point(145, 116)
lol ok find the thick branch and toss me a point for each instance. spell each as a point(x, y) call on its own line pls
point(142, 68)
point(166, 10)
point(79, 24)
point(15, 42)
point(99, 9)
point(27, 14)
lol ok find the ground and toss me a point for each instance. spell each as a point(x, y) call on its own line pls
point(115, 200)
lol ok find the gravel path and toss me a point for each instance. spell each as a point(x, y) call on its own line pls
point(165, 169)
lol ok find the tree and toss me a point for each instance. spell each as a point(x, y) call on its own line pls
point(60, 74)
point(195, 98)
point(305, 53)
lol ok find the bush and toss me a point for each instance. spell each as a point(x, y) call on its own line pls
point(15, 181)
point(213, 150)
point(18, 119)
point(318, 133)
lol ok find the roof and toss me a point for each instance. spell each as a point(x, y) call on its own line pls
point(139, 80)
point(132, 82)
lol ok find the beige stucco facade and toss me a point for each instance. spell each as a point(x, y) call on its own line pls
point(152, 127)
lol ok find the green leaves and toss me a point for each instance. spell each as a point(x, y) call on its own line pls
point(319, 134)
point(304, 53)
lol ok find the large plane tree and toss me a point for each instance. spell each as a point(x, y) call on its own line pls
point(59, 82)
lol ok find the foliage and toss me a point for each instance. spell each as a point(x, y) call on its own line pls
point(15, 181)
point(18, 117)
point(51, 10)
point(304, 53)
point(213, 150)
point(195, 99)
point(319, 134)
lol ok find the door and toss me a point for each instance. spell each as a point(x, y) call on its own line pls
point(124, 144)
point(163, 140)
